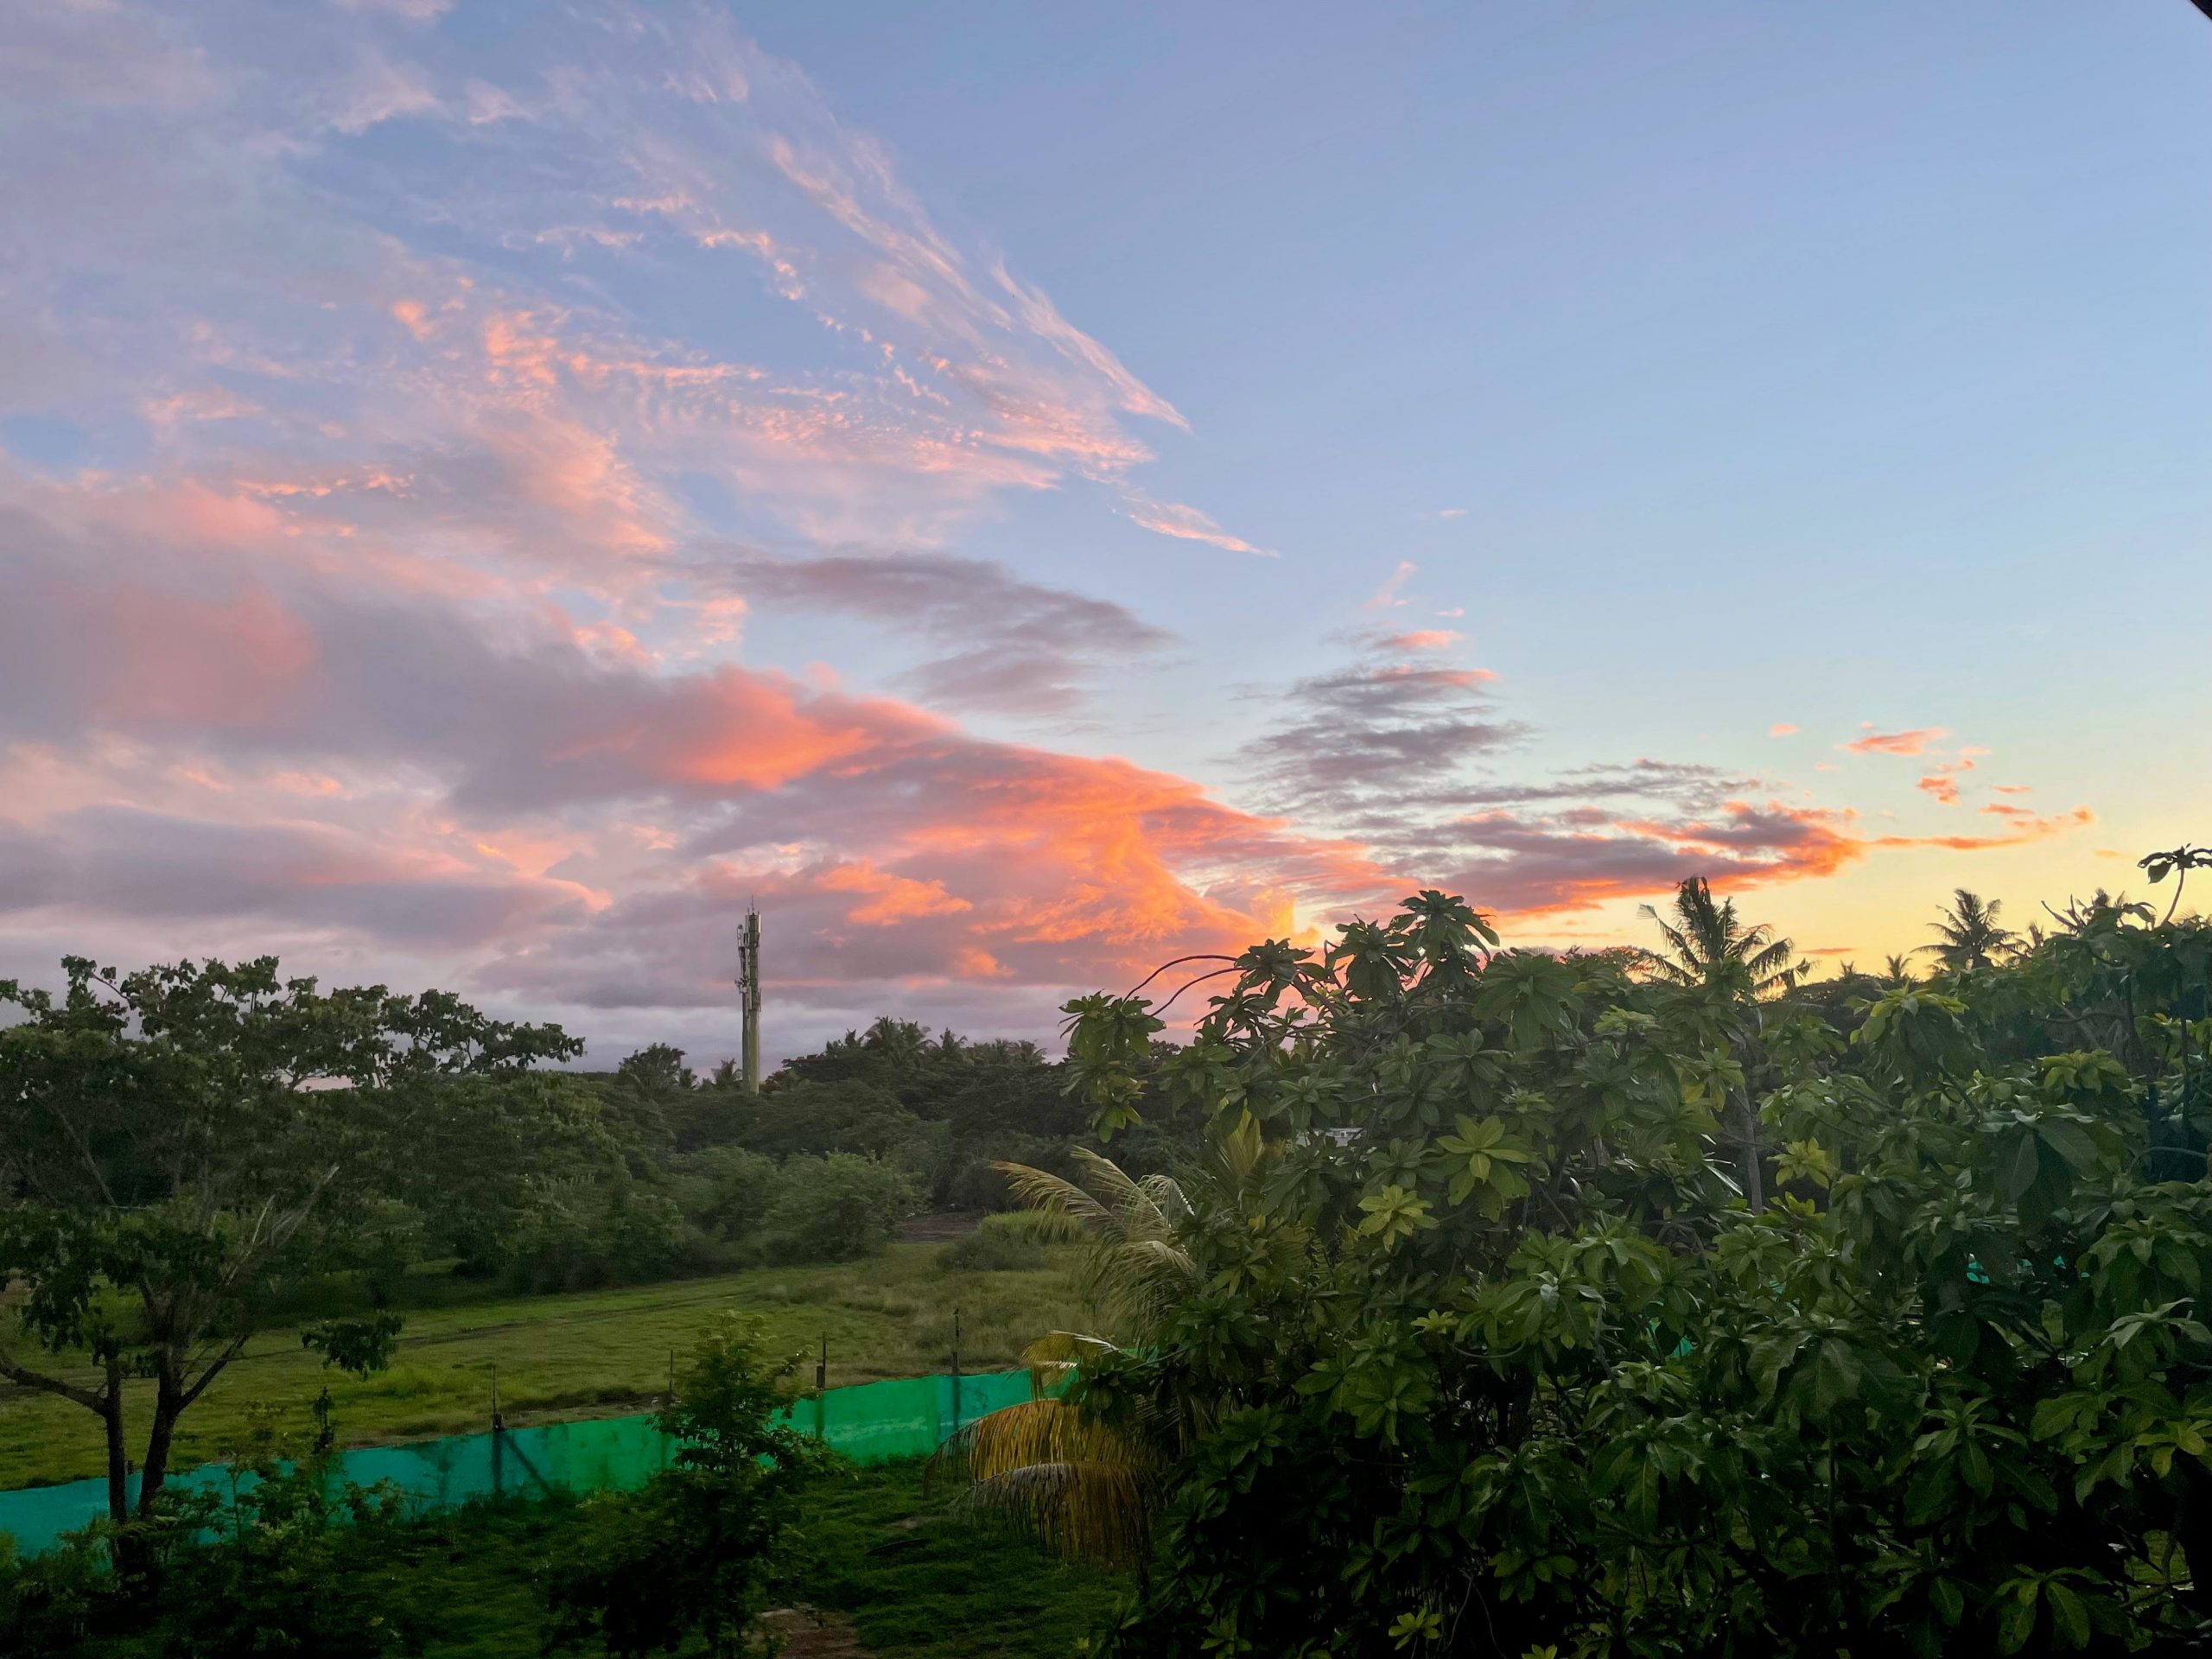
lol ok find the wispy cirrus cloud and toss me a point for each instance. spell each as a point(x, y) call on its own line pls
point(393, 592)
point(1183, 523)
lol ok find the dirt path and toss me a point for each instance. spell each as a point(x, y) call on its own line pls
point(810, 1635)
point(939, 1226)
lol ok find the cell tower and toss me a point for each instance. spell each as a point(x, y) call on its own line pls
point(748, 992)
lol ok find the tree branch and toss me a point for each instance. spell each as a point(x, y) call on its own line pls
point(75, 1131)
point(214, 1366)
point(23, 1376)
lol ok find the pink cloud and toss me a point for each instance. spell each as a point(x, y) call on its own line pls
point(1425, 640)
point(1914, 741)
point(1185, 523)
point(1782, 728)
point(1386, 596)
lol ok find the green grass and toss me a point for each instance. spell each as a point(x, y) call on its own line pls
point(917, 1578)
point(572, 1355)
point(921, 1582)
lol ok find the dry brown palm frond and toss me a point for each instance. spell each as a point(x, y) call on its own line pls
point(1086, 1490)
point(1058, 1354)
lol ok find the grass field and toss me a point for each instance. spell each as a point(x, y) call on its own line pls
point(575, 1355)
point(917, 1578)
point(918, 1581)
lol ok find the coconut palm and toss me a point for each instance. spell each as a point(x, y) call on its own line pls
point(1091, 1489)
point(1133, 1268)
point(1709, 950)
point(1896, 973)
point(1707, 945)
point(1969, 935)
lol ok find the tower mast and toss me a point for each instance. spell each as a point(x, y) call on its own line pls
point(748, 991)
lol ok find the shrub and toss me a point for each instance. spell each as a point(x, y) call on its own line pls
point(50, 1603)
point(834, 1209)
point(1008, 1244)
point(693, 1554)
point(724, 1191)
point(583, 1236)
point(301, 1563)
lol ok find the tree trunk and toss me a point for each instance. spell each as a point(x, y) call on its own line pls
point(168, 1406)
point(118, 1457)
point(1754, 1161)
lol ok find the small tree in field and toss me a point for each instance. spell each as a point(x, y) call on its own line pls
point(178, 1145)
point(693, 1553)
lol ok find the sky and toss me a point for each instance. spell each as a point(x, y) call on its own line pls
point(488, 491)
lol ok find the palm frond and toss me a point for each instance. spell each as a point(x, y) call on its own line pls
point(1088, 1491)
point(1052, 1195)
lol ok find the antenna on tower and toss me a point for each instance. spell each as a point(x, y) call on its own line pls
point(748, 994)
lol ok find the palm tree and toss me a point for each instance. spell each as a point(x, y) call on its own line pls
point(1089, 1489)
point(1970, 936)
point(1896, 972)
point(1710, 951)
point(1707, 945)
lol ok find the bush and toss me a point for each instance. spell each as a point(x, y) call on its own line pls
point(50, 1603)
point(836, 1208)
point(583, 1236)
point(1008, 1243)
point(301, 1564)
point(693, 1554)
point(724, 1191)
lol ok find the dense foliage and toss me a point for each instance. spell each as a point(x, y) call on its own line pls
point(819, 1166)
point(180, 1146)
point(1482, 1349)
point(291, 1558)
point(686, 1563)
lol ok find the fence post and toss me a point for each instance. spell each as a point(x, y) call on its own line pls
point(498, 1438)
point(821, 1388)
point(955, 1370)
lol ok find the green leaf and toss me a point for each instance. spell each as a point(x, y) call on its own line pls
point(2068, 1612)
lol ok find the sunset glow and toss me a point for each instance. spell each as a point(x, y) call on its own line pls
point(488, 492)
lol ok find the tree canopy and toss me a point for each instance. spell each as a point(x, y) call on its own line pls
point(1495, 1351)
point(180, 1144)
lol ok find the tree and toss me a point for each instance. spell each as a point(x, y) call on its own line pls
point(1970, 936)
point(1731, 970)
point(1087, 1480)
point(1500, 1346)
point(1707, 946)
point(692, 1555)
point(180, 1144)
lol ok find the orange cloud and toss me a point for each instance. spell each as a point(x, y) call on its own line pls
point(1423, 639)
point(1914, 741)
point(2026, 830)
point(890, 898)
point(1782, 728)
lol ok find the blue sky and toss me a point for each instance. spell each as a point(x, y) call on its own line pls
point(484, 489)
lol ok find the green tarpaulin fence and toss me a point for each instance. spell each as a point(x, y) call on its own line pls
point(869, 1422)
